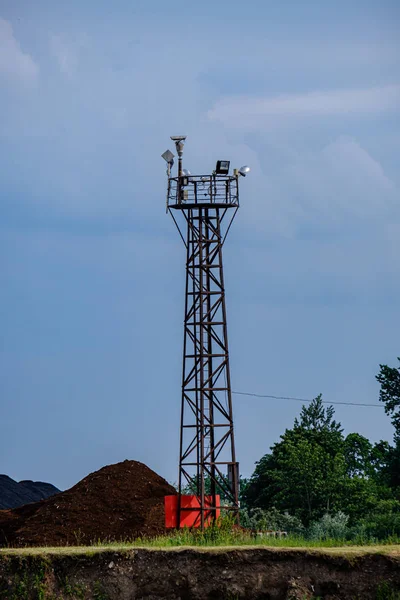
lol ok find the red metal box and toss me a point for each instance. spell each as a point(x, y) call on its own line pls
point(190, 510)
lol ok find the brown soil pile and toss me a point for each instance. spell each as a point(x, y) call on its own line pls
point(118, 502)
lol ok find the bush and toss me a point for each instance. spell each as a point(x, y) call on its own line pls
point(330, 527)
point(381, 524)
point(272, 519)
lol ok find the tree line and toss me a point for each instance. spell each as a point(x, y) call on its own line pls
point(317, 480)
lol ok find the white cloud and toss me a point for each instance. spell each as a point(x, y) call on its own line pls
point(14, 63)
point(343, 175)
point(248, 112)
point(338, 188)
point(108, 137)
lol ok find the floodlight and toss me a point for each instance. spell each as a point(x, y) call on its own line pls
point(222, 167)
point(244, 170)
point(168, 157)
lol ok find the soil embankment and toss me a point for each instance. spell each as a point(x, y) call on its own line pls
point(193, 574)
point(119, 502)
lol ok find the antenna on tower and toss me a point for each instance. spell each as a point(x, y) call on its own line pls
point(179, 143)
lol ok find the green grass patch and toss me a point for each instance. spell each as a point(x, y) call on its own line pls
point(225, 535)
point(222, 535)
point(158, 545)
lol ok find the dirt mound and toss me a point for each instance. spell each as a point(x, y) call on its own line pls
point(118, 502)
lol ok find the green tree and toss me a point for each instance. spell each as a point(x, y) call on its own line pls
point(389, 378)
point(358, 451)
point(366, 483)
point(314, 470)
point(305, 472)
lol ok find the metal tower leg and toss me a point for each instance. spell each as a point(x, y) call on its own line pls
point(207, 460)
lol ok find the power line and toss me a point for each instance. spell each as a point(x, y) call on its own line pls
point(305, 399)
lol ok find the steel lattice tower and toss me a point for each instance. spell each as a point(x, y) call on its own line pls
point(207, 459)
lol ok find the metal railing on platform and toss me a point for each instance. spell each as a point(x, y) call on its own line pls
point(203, 190)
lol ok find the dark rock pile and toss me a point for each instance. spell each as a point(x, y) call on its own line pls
point(14, 493)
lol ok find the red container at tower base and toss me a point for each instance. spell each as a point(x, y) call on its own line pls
point(190, 511)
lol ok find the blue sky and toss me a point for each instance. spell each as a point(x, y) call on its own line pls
point(92, 269)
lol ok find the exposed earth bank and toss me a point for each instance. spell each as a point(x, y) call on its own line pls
point(192, 574)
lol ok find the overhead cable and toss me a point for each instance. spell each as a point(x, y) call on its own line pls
point(305, 399)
